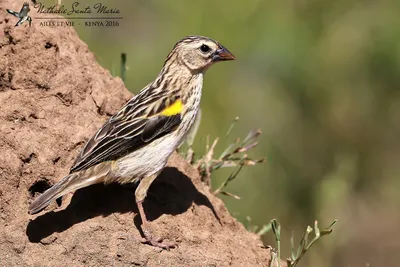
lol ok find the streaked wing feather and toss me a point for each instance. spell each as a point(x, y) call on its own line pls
point(127, 131)
point(109, 147)
point(158, 125)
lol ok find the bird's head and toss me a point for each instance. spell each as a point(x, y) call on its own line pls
point(198, 53)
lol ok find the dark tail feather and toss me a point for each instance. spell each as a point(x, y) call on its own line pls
point(51, 194)
point(71, 183)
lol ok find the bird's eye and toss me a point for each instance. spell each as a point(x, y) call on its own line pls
point(204, 48)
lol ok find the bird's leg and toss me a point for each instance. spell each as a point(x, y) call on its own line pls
point(140, 194)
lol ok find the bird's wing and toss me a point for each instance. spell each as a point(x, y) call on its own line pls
point(15, 14)
point(24, 9)
point(146, 117)
point(21, 20)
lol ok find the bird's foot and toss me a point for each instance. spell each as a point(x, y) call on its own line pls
point(150, 238)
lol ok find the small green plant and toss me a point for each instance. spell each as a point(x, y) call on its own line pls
point(303, 247)
point(234, 156)
point(255, 228)
point(123, 66)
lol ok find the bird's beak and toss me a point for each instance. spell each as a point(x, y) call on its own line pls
point(222, 54)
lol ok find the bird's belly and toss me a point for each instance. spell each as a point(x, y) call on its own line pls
point(148, 160)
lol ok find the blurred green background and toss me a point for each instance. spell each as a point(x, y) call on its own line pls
point(320, 79)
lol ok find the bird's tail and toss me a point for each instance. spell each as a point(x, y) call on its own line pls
point(69, 183)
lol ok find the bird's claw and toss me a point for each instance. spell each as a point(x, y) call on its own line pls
point(159, 242)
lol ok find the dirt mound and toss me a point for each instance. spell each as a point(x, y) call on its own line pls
point(54, 95)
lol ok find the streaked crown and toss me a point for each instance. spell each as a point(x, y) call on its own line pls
point(198, 53)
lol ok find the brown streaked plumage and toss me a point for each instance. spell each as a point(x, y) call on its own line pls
point(135, 144)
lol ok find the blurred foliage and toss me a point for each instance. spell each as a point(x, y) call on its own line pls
point(320, 79)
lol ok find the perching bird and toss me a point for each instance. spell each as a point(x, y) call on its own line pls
point(22, 15)
point(135, 144)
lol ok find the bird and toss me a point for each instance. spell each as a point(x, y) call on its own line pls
point(133, 146)
point(22, 14)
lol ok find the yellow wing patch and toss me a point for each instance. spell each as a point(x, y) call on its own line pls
point(173, 109)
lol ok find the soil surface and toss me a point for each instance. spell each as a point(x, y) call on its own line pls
point(53, 97)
